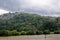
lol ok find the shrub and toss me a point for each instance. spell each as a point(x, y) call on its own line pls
point(23, 33)
point(56, 32)
point(4, 32)
point(14, 32)
point(51, 32)
point(46, 32)
point(39, 32)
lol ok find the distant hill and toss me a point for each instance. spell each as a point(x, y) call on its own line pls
point(29, 23)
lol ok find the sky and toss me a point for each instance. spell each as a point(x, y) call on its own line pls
point(42, 7)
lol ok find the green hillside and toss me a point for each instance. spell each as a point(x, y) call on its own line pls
point(28, 24)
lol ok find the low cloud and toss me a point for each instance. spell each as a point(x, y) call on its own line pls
point(52, 5)
point(3, 11)
point(42, 6)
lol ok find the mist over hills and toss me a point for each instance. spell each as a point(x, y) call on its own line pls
point(41, 7)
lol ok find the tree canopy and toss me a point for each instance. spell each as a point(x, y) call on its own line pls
point(28, 24)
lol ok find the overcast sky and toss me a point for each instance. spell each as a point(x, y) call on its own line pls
point(43, 6)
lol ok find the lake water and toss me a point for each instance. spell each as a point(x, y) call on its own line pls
point(33, 37)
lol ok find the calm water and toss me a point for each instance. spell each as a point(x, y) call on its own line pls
point(33, 37)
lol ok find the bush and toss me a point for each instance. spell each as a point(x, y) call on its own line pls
point(31, 32)
point(56, 32)
point(51, 32)
point(14, 32)
point(46, 32)
point(22, 33)
point(39, 32)
point(4, 32)
point(8, 33)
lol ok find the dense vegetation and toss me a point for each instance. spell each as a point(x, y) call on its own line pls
point(28, 24)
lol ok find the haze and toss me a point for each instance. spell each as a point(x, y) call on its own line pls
point(42, 7)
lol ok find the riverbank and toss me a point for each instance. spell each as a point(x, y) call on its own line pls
point(32, 37)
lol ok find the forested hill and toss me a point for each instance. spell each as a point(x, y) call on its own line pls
point(28, 24)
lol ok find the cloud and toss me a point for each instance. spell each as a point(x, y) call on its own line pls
point(52, 5)
point(11, 5)
point(39, 6)
point(3, 11)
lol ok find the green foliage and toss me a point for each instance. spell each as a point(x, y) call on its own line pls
point(5, 33)
point(39, 32)
point(57, 32)
point(51, 32)
point(28, 24)
point(14, 32)
point(46, 32)
point(22, 33)
point(8, 33)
